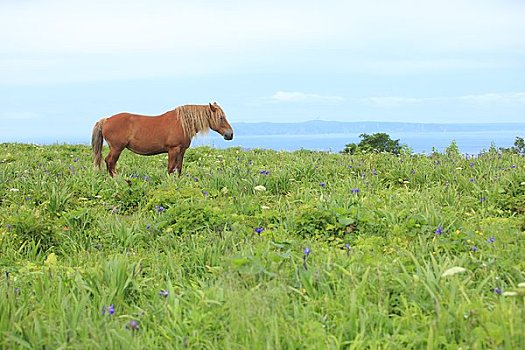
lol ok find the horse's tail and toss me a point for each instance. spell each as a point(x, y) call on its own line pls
point(96, 143)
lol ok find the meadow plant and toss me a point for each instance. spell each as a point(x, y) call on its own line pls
point(357, 251)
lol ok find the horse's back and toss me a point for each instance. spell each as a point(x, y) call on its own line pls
point(141, 134)
point(125, 122)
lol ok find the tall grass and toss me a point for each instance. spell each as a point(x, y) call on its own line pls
point(216, 258)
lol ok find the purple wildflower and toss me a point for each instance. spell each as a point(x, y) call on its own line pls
point(9, 226)
point(491, 239)
point(374, 172)
point(439, 230)
point(164, 293)
point(114, 210)
point(513, 166)
point(354, 190)
point(306, 252)
point(133, 326)
point(148, 227)
point(264, 172)
point(259, 230)
point(75, 160)
point(472, 179)
point(109, 309)
point(474, 248)
point(205, 193)
point(159, 208)
point(322, 184)
point(498, 291)
point(348, 248)
point(482, 199)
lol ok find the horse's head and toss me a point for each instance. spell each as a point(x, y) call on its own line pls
point(220, 123)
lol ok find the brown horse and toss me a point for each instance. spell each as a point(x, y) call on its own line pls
point(169, 133)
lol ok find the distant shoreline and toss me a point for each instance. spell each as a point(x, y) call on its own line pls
point(333, 135)
point(313, 127)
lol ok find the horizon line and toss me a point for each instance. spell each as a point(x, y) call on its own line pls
point(383, 122)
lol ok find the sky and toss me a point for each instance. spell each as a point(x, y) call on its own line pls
point(64, 64)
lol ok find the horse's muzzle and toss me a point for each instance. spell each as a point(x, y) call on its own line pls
point(228, 135)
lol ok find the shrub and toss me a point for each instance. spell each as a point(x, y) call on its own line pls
point(378, 142)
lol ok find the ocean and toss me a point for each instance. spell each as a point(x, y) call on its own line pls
point(471, 142)
point(418, 142)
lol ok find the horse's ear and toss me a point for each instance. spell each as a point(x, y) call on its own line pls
point(213, 106)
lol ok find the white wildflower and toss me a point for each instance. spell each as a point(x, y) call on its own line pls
point(453, 271)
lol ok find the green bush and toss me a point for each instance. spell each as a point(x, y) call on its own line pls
point(30, 226)
point(378, 142)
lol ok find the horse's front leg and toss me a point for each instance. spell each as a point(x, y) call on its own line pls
point(178, 160)
point(173, 157)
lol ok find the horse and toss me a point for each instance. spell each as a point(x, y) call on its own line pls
point(170, 133)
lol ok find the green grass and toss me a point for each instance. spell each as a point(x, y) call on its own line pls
point(73, 240)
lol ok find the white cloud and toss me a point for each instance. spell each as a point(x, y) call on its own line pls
point(432, 63)
point(85, 40)
point(95, 39)
point(494, 98)
point(395, 101)
point(18, 115)
point(286, 96)
point(137, 26)
point(477, 99)
point(94, 26)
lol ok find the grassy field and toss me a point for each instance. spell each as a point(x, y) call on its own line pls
point(257, 249)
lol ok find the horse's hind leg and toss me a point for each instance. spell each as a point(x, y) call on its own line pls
point(111, 160)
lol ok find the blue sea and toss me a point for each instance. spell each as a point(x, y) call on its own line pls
point(418, 142)
point(471, 142)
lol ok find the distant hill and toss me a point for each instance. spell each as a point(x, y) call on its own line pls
point(332, 127)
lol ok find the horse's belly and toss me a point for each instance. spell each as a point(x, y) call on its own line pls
point(147, 150)
point(146, 147)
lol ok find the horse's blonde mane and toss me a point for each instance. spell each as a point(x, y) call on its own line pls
point(198, 118)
